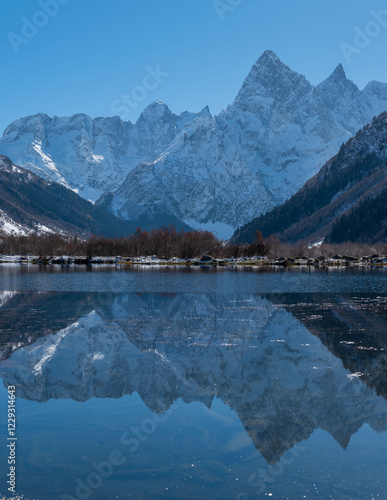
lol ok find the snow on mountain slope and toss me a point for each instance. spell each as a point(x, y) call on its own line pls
point(209, 172)
point(90, 156)
point(199, 178)
point(376, 94)
point(221, 172)
point(30, 204)
point(354, 179)
point(345, 101)
point(9, 226)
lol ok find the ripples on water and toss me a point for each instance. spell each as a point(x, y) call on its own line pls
point(178, 280)
point(196, 384)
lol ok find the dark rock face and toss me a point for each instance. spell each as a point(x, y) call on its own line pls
point(206, 258)
point(30, 204)
point(345, 201)
point(207, 172)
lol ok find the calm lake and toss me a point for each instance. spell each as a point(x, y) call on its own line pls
point(155, 383)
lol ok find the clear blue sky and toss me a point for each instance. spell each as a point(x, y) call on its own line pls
point(90, 52)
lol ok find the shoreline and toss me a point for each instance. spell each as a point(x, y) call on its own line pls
point(205, 261)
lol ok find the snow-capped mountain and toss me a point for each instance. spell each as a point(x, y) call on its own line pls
point(210, 172)
point(344, 201)
point(350, 107)
point(279, 131)
point(30, 204)
point(89, 156)
point(278, 377)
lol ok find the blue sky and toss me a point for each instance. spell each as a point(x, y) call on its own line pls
point(88, 54)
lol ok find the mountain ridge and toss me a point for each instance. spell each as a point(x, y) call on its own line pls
point(356, 175)
point(30, 204)
point(210, 172)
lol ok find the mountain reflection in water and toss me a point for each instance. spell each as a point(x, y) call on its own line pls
point(287, 364)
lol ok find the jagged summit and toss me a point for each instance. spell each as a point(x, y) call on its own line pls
point(155, 105)
point(266, 67)
point(338, 74)
point(270, 77)
point(209, 172)
point(267, 56)
point(376, 92)
point(205, 112)
point(348, 105)
point(377, 87)
point(337, 80)
point(31, 122)
point(156, 110)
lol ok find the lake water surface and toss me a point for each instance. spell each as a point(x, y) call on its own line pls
point(195, 384)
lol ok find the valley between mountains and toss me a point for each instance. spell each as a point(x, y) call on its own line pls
point(196, 170)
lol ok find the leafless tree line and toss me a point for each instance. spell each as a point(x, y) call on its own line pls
point(167, 242)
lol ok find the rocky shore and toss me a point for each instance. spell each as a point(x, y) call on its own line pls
point(205, 261)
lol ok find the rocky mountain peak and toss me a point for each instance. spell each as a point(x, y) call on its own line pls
point(5, 162)
point(377, 88)
point(344, 100)
point(269, 57)
point(376, 93)
point(338, 74)
point(155, 111)
point(212, 173)
point(28, 124)
point(205, 112)
point(271, 78)
point(338, 82)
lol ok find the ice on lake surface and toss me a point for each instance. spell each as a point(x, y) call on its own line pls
point(191, 394)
